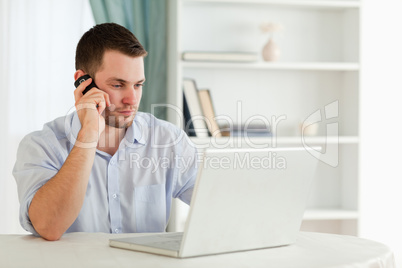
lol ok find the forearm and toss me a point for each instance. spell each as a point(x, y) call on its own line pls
point(57, 204)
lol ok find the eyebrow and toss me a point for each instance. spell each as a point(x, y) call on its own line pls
point(122, 80)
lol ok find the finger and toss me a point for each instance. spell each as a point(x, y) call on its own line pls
point(101, 106)
point(107, 99)
point(93, 98)
point(102, 98)
point(81, 88)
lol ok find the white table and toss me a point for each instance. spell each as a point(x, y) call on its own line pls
point(92, 250)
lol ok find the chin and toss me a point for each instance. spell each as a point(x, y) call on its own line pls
point(125, 123)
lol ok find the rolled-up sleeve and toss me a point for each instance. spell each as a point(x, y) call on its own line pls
point(36, 163)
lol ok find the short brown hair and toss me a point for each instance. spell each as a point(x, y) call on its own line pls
point(103, 37)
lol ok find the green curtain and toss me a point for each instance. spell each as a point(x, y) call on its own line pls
point(148, 21)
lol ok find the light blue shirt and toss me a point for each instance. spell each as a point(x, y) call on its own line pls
point(131, 191)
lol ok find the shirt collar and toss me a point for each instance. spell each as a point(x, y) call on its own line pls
point(136, 133)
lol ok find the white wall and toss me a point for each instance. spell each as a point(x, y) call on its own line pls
point(381, 124)
point(37, 51)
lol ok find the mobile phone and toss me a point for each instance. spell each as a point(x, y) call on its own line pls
point(82, 79)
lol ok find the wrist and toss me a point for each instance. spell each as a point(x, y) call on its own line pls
point(87, 138)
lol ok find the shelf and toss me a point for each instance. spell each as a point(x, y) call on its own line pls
point(323, 139)
point(242, 141)
point(306, 66)
point(330, 214)
point(291, 3)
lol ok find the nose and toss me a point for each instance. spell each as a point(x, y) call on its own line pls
point(131, 97)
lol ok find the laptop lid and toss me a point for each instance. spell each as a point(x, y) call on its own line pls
point(247, 199)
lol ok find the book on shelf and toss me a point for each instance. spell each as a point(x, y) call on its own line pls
point(220, 56)
point(188, 124)
point(209, 112)
point(246, 130)
point(194, 119)
point(200, 120)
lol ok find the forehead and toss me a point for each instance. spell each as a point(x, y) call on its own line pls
point(117, 64)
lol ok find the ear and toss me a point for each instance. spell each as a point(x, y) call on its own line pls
point(78, 74)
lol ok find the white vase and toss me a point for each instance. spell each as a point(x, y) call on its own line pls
point(271, 51)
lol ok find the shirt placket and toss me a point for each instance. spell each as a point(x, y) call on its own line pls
point(114, 196)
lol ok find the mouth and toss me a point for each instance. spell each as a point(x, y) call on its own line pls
point(127, 112)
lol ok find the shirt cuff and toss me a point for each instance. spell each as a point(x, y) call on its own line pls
point(25, 221)
point(186, 196)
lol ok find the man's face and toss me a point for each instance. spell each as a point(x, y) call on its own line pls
point(121, 77)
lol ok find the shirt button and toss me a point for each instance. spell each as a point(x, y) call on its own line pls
point(112, 162)
point(116, 231)
point(114, 196)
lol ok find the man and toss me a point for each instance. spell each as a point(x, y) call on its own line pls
point(105, 167)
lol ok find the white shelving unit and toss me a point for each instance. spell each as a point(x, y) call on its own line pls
point(319, 68)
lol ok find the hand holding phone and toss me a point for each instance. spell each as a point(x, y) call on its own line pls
point(90, 107)
point(82, 79)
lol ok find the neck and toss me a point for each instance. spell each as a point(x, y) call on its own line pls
point(110, 139)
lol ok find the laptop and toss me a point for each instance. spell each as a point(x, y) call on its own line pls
point(243, 199)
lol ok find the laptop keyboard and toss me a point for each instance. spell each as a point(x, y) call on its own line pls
point(171, 241)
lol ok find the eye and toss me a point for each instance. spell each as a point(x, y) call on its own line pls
point(139, 85)
point(116, 86)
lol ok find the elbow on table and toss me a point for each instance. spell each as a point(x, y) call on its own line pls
point(49, 234)
point(49, 229)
